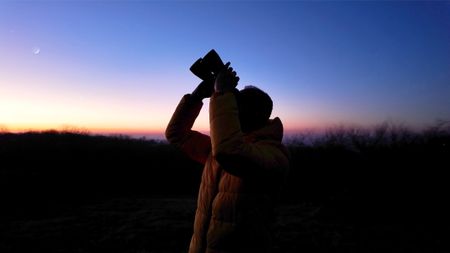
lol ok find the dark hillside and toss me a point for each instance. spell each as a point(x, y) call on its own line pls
point(390, 183)
point(350, 190)
point(67, 168)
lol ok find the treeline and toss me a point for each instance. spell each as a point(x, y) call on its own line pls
point(368, 177)
point(388, 156)
point(384, 169)
point(41, 170)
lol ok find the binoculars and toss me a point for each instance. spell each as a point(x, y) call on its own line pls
point(208, 67)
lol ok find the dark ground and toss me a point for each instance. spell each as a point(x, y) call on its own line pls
point(350, 191)
point(155, 225)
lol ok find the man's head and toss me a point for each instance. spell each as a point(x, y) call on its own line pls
point(255, 107)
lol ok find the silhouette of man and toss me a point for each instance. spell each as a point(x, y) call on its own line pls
point(245, 164)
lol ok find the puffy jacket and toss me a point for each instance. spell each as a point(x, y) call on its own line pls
point(241, 179)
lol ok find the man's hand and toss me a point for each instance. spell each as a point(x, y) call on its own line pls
point(226, 80)
point(204, 90)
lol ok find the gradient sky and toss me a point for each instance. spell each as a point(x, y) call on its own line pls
point(122, 66)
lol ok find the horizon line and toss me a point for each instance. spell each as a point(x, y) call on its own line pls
point(159, 134)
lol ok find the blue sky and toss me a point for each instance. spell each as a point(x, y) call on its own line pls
point(124, 65)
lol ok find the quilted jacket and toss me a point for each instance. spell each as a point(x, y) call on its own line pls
point(241, 179)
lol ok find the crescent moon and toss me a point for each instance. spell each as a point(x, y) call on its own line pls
point(36, 50)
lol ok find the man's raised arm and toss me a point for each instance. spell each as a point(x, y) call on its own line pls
point(179, 130)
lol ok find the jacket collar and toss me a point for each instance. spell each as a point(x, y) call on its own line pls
point(273, 130)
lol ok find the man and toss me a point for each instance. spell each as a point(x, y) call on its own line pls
point(245, 165)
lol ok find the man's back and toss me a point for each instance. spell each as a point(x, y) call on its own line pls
point(245, 164)
point(242, 176)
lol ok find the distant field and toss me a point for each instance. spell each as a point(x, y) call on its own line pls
point(351, 190)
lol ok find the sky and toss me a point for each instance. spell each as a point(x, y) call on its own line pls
point(123, 66)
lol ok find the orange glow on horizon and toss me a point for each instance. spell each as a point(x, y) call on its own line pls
point(158, 131)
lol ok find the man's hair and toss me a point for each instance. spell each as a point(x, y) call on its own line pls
point(255, 108)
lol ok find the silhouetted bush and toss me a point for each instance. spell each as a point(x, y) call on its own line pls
point(387, 166)
point(388, 174)
point(40, 168)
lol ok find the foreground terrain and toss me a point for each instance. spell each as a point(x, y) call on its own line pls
point(351, 190)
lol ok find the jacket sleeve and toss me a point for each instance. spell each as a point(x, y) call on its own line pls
point(235, 155)
point(178, 132)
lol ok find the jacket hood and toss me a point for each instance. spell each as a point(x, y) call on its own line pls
point(273, 130)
